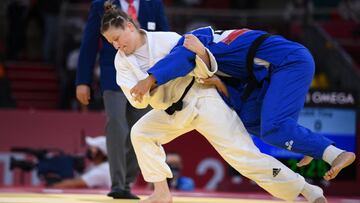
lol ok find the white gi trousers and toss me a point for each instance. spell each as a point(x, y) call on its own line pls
point(205, 111)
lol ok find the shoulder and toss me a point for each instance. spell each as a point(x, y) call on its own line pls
point(164, 39)
point(165, 35)
point(119, 58)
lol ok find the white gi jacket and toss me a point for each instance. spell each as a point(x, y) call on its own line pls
point(159, 45)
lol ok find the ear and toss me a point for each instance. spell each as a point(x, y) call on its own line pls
point(106, 36)
point(130, 26)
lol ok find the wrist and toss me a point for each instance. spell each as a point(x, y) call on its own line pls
point(152, 80)
point(202, 52)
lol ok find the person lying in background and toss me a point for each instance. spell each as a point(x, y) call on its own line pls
point(98, 175)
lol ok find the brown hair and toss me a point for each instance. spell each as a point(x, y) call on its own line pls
point(114, 17)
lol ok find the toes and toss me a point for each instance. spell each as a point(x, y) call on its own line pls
point(304, 161)
point(326, 177)
point(330, 174)
point(299, 164)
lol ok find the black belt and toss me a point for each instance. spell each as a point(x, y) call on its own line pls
point(252, 83)
point(177, 106)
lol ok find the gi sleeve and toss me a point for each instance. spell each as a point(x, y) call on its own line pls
point(126, 79)
point(181, 61)
point(201, 70)
point(89, 45)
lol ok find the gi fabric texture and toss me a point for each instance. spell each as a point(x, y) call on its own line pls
point(272, 110)
point(205, 111)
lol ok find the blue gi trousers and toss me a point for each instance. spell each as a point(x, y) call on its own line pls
point(274, 118)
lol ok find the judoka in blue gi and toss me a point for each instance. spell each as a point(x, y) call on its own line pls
point(267, 78)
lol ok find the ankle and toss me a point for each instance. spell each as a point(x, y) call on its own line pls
point(331, 153)
point(312, 192)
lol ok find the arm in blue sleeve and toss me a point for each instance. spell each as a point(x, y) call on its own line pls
point(89, 45)
point(180, 61)
point(161, 19)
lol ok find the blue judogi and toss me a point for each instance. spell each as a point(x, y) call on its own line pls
point(271, 112)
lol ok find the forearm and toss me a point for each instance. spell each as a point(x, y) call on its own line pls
point(89, 46)
point(178, 63)
point(152, 82)
point(204, 56)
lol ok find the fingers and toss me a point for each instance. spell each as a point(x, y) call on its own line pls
point(136, 94)
point(208, 81)
point(214, 80)
point(189, 36)
point(137, 97)
point(84, 99)
point(83, 94)
point(190, 42)
point(187, 43)
point(224, 91)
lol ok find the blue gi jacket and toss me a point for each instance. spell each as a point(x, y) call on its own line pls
point(231, 57)
point(271, 111)
point(230, 54)
point(150, 11)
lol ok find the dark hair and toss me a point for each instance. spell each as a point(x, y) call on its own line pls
point(114, 17)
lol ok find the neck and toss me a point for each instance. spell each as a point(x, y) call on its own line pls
point(98, 161)
point(141, 39)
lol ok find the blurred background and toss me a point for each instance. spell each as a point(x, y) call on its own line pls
point(40, 118)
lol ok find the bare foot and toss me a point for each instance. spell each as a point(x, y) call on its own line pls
point(320, 200)
point(343, 160)
point(157, 198)
point(304, 161)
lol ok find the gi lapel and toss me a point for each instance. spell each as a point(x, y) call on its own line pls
point(149, 43)
point(132, 64)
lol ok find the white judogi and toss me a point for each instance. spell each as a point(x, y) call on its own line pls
point(205, 111)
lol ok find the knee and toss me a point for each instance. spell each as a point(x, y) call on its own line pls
point(268, 129)
point(136, 134)
point(274, 130)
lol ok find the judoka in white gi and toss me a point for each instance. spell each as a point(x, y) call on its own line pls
point(202, 109)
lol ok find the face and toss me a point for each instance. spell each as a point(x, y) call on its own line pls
point(123, 39)
point(91, 152)
point(174, 160)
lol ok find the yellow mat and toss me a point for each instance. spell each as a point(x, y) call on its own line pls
point(91, 198)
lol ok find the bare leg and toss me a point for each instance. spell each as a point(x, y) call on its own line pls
point(304, 161)
point(161, 194)
point(343, 160)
